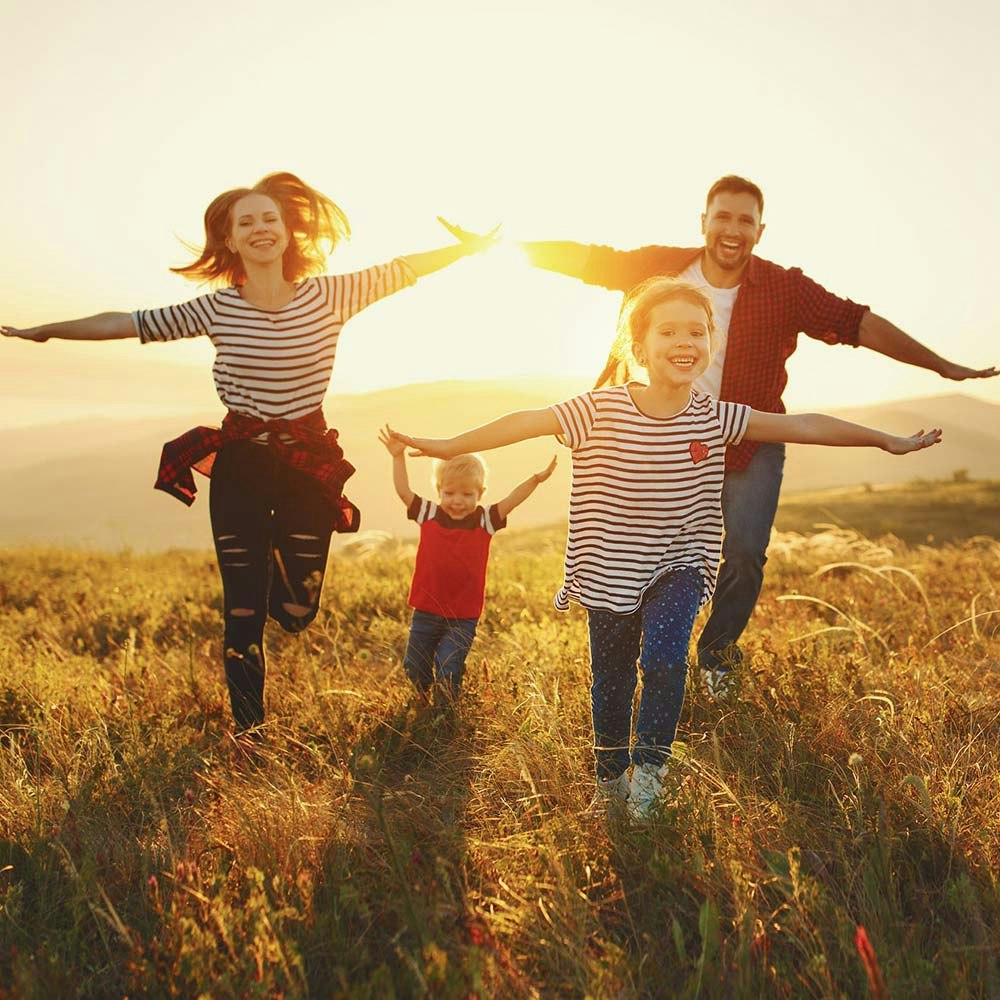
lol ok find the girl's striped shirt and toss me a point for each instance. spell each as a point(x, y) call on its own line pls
point(276, 363)
point(646, 494)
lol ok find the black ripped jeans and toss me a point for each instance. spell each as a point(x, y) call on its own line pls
point(272, 530)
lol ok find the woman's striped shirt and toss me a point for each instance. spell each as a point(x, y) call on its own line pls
point(272, 363)
point(646, 494)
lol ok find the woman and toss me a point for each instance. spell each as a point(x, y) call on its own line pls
point(277, 472)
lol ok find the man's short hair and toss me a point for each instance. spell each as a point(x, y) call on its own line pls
point(733, 184)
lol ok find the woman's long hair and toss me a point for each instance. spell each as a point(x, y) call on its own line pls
point(633, 322)
point(315, 226)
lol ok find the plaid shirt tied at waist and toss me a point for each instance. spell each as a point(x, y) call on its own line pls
point(304, 443)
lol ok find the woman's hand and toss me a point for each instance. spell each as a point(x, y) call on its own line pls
point(896, 445)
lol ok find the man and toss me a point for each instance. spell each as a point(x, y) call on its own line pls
point(760, 308)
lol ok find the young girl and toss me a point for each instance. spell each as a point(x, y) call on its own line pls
point(645, 519)
point(277, 471)
point(449, 578)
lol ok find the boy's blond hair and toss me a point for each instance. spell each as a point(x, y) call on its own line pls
point(471, 466)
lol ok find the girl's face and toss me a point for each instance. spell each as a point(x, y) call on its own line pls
point(677, 346)
point(257, 232)
point(459, 496)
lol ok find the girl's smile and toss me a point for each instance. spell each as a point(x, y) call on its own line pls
point(677, 346)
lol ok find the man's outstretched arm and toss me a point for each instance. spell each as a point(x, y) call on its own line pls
point(878, 334)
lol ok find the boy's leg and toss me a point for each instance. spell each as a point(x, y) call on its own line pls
point(301, 529)
point(668, 612)
point(452, 651)
point(240, 510)
point(426, 630)
point(614, 649)
point(749, 503)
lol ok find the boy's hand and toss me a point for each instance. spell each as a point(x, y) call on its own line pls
point(915, 442)
point(540, 477)
point(395, 445)
point(474, 241)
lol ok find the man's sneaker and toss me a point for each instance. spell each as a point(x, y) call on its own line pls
point(611, 794)
point(720, 684)
point(646, 789)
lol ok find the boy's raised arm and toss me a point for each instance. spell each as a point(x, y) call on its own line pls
point(400, 477)
point(509, 429)
point(818, 428)
point(519, 494)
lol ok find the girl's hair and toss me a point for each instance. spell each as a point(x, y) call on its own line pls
point(633, 322)
point(471, 466)
point(315, 226)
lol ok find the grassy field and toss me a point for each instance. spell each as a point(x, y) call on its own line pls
point(371, 849)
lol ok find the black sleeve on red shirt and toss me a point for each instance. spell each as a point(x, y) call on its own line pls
point(413, 511)
point(496, 519)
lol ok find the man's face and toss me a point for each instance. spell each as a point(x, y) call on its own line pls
point(732, 228)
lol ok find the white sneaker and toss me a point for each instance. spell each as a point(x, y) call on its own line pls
point(720, 684)
point(612, 793)
point(646, 789)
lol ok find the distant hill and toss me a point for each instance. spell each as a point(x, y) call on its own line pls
point(89, 482)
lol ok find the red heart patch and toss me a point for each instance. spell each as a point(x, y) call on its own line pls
point(699, 451)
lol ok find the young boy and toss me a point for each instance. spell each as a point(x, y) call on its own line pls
point(449, 579)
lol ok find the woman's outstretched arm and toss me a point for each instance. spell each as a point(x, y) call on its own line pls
point(509, 429)
point(103, 326)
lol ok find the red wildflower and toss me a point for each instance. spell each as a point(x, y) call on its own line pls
point(867, 954)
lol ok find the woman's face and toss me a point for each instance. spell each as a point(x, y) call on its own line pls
point(257, 232)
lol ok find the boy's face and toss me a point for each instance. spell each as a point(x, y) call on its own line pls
point(459, 495)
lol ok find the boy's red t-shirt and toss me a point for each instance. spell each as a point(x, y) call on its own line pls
point(449, 578)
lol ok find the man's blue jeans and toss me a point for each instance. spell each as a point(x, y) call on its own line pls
point(656, 635)
point(437, 647)
point(749, 503)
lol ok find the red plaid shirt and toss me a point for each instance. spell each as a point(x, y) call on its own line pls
point(312, 448)
point(774, 305)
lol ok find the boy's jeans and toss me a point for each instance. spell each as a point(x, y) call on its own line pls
point(437, 647)
point(657, 634)
point(749, 503)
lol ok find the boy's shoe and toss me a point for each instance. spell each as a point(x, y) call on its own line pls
point(646, 789)
point(611, 794)
point(720, 684)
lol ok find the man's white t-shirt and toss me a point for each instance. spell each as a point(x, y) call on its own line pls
point(723, 300)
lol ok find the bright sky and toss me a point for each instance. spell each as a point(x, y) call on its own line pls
point(870, 126)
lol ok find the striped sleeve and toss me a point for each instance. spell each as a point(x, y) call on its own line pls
point(421, 510)
point(733, 418)
point(189, 319)
point(576, 418)
point(350, 293)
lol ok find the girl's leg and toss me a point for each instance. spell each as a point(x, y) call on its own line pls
point(668, 612)
point(452, 652)
point(241, 513)
point(300, 531)
point(614, 649)
point(426, 631)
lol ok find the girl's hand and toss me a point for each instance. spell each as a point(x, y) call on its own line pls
point(540, 477)
point(425, 447)
point(915, 442)
point(394, 445)
point(476, 242)
point(32, 333)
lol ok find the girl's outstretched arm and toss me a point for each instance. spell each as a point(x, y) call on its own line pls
point(818, 428)
point(103, 326)
point(434, 260)
point(509, 429)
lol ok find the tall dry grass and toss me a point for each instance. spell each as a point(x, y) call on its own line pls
point(373, 849)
